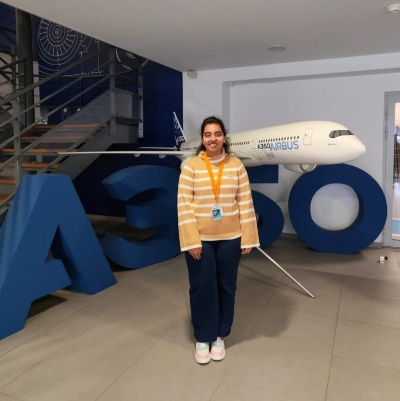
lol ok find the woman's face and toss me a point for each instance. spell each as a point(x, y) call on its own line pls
point(213, 139)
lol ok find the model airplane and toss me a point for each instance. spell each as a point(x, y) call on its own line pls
point(300, 147)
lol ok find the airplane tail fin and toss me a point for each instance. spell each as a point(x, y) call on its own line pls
point(178, 132)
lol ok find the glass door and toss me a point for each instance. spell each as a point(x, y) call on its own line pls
point(391, 234)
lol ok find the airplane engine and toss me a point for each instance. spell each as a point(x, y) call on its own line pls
point(300, 168)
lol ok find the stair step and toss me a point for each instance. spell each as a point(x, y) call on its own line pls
point(48, 152)
point(3, 197)
point(65, 138)
point(33, 165)
point(7, 180)
point(48, 127)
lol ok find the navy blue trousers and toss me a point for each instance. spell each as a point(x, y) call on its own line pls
point(212, 288)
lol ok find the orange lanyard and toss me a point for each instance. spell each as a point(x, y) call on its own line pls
point(216, 185)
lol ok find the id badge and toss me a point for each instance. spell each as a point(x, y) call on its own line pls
point(216, 212)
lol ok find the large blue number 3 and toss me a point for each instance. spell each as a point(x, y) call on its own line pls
point(150, 193)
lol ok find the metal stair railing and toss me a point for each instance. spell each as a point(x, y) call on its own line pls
point(16, 130)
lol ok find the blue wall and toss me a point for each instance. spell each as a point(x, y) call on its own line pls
point(7, 27)
point(163, 94)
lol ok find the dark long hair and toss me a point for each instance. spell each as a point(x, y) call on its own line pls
point(213, 120)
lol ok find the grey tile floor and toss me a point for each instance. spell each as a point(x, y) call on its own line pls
point(133, 341)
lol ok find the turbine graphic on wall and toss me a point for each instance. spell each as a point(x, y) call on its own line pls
point(129, 60)
point(58, 45)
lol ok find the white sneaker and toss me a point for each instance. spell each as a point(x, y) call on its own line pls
point(202, 354)
point(218, 350)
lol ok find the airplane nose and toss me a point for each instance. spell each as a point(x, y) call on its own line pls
point(358, 147)
point(361, 148)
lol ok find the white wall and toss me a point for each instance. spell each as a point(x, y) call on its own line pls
point(349, 91)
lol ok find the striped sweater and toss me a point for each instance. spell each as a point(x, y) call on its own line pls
point(196, 199)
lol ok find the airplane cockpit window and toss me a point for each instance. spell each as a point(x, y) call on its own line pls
point(335, 134)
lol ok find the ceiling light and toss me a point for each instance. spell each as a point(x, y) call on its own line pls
point(393, 8)
point(276, 48)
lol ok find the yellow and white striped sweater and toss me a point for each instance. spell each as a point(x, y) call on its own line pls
point(196, 199)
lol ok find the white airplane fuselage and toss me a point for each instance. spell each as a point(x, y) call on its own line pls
point(303, 143)
point(300, 147)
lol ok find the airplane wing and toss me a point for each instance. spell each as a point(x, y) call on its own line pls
point(132, 152)
point(240, 155)
point(159, 147)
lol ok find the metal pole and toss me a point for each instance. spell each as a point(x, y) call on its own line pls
point(24, 50)
point(16, 123)
point(140, 107)
point(17, 142)
point(113, 124)
point(284, 271)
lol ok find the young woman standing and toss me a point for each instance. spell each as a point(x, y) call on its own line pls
point(217, 224)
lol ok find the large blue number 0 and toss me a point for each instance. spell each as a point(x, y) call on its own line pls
point(362, 232)
point(160, 183)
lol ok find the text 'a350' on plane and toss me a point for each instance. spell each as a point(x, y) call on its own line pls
point(300, 146)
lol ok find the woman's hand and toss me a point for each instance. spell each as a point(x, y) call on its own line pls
point(246, 251)
point(195, 253)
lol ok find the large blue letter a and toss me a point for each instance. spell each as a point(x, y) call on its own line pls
point(46, 215)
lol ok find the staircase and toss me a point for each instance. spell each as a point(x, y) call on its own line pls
point(113, 116)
